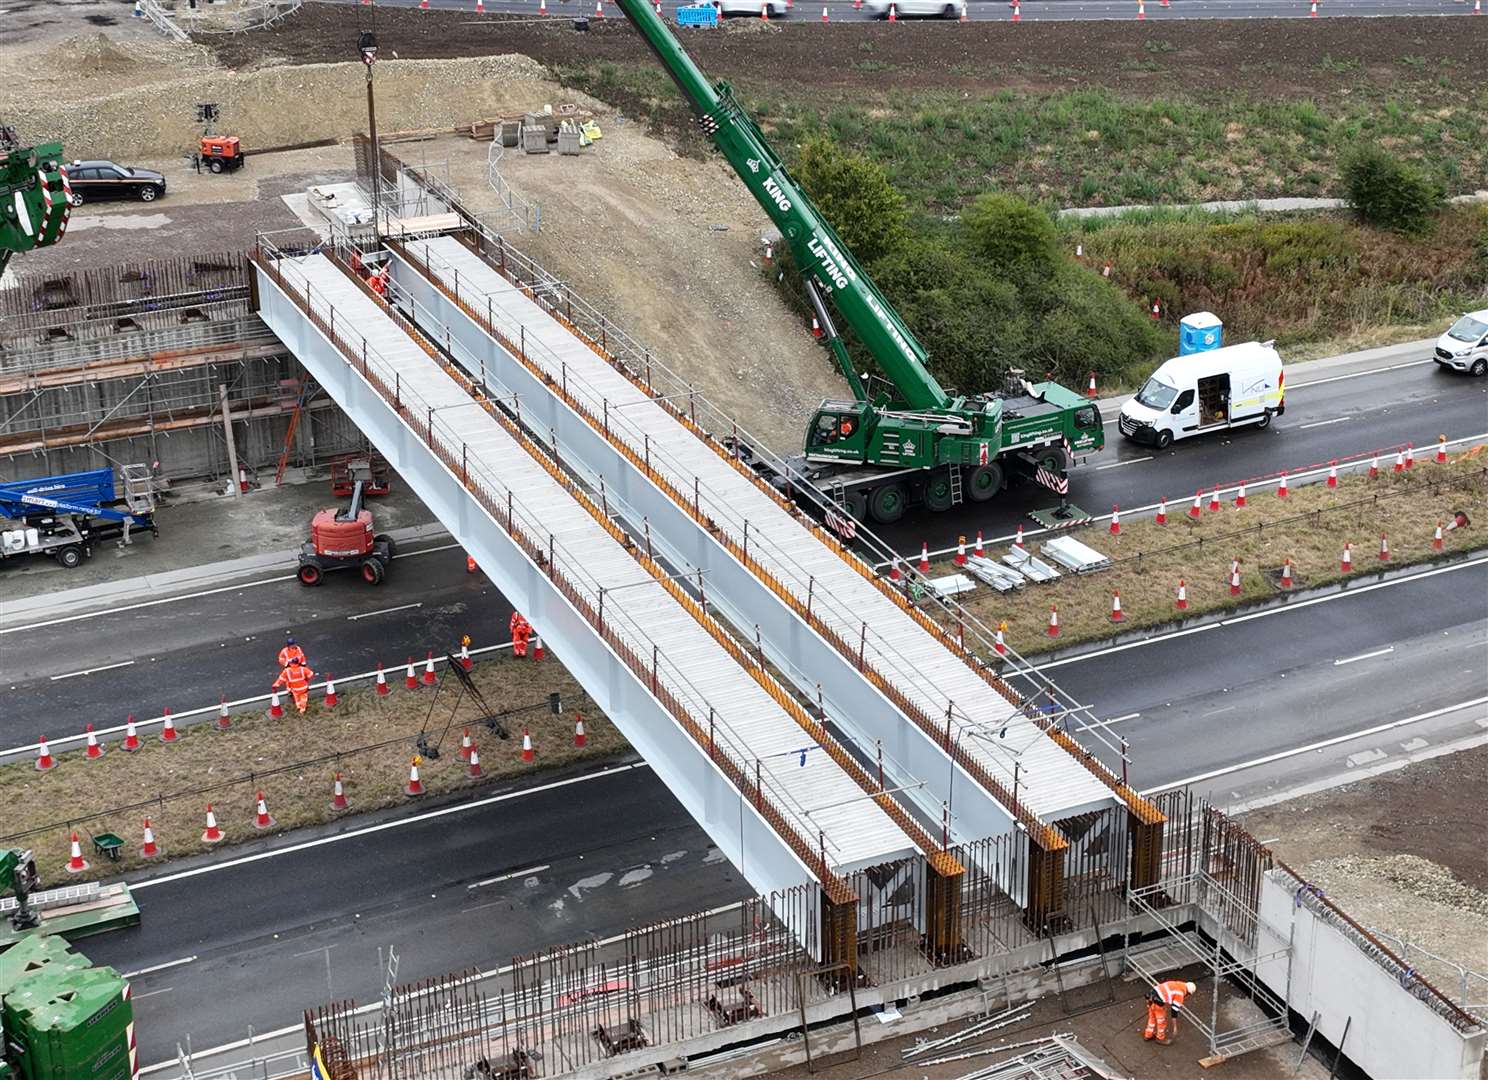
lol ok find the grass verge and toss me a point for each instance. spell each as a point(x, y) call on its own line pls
point(1310, 527)
point(171, 785)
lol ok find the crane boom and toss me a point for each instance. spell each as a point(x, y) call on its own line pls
point(825, 262)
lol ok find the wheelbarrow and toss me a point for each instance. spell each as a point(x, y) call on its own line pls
point(108, 845)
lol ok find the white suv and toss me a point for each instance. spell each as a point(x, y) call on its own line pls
point(1465, 346)
point(946, 9)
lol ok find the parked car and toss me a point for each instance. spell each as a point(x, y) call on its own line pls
point(105, 180)
point(946, 9)
point(1465, 346)
point(750, 7)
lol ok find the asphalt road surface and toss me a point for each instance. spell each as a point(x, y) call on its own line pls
point(982, 10)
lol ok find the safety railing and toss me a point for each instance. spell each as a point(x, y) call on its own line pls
point(620, 631)
point(226, 327)
point(526, 216)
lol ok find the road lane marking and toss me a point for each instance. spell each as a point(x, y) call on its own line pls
point(152, 993)
point(1325, 423)
point(1216, 712)
point(1322, 745)
point(190, 596)
point(384, 611)
point(1119, 464)
point(1122, 719)
point(396, 823)
point(91, 670)
point(1358, 374)
point(508, 877)
point(1364, 656)
point(1159, 639)
point(158, 967)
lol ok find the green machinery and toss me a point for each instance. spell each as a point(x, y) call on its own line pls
point(902, 439)
point(35, 198)
point(61, 1018)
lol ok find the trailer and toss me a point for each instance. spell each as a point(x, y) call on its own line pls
point(63, 517)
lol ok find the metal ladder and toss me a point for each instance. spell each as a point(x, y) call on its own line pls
point(956, 492)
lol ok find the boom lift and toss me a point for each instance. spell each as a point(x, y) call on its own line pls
point(902, 438)
point(34, 196)
point(64, 516)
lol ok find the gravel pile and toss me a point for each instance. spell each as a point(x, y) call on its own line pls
point(152, 115)
point(1422, 878)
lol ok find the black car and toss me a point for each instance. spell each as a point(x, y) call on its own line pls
point(105, 180)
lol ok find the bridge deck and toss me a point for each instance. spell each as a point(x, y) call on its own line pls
point(1052, 783)
point(817, 795)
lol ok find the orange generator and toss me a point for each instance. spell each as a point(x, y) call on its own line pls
point(221, 153)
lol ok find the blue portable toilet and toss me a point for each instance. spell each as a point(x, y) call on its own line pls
point(1199, 332)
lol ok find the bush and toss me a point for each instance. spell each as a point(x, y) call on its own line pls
point(855, 197)
point(1016, 240)
point(1390, 193)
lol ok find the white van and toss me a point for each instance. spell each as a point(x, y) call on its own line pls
point(1206, 391)
point(1465, 346)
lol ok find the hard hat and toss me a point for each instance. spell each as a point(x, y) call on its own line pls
point(289, 639)
point(1192, 989)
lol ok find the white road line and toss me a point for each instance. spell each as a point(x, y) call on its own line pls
point(1119, 464)
point(1358, 374)
point(508, 877)
point(1216, 712)
point(152, 993)
point(384, 611)
point(91, 670)
point(1159, 639)
point(190, 596)
point(317, 951)
point(1324, 744)
point(158, 967)
point(1325, 423)
point(1123, 719)
point(1365, 656)
point(396, 823)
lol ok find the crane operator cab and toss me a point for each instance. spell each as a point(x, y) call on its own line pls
point(837, 431)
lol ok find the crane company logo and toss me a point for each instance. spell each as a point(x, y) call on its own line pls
point(753, 164)
point(830, 265)
point(777, 196)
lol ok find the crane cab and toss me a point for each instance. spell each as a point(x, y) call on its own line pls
point(838, 432)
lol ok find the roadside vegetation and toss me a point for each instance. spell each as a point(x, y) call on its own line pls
point(369, 739)
point(1310, 527)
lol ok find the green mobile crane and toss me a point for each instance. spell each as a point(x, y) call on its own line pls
point(902, 439)
point(35, 198)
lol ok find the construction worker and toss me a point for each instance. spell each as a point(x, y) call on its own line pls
point(296, 679)
point(291, 653)
point(1163, 999)
point(470, 566)
point(521, 630)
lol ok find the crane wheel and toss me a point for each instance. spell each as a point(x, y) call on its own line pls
point(373, 571)
point(984, 482)
point(937, 494)
point(887, 503)
point(856, 505)
point(310, 574)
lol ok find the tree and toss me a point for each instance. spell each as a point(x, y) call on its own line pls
point(1016, 239)
point(855, 196)
point(1388, 192)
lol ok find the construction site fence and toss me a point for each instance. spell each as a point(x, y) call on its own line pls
point(161, 20)
point(567, 570)
point(221, 325)
point(1471, 986)
point(40, 301)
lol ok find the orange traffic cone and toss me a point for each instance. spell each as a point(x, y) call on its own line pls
point(480, 7)
point(1196, 509)
point(816, 330)
point(473, 769)
point(579, 737)
point(1235, 580)
point(1384, 552)
point(1141, 15)
point(1116, 615)
point(1286, 574)
point(1441, 449)
point(979, 551)
point(1313, 13)
point(1156, 305)
point(1091, 392)
point(924, 557)
point(76, 864)
point(149, 849)
point(1162, 511)
point(999, 643)
point(466, 745)
point(46, 763)
point(1240, 497)
point(1333, 473)
point(894, 574)
point(423, 5)
point(168, 728)
point(765, 12)
point(537, 647)
point(338, 795)
point(961, 551)
point(1053, 620)
point(1410, 455)
point(528, 753)
point(1181, 603)
point(1437, 541)
point(261, 817)
point(410, 680)
point(429, 669)
point(224, 720)
point(892, 16)
point(330, 698)
point(95, 751)
point(824, 19)
point(1281, 488)
point(465, 661)
point(415, 786)
point(1018, 17)
point(1346, 563)
point(1399, 462)
point(276, 708)
point(964, 16)
point(211, 834)
point(1115, 521)
point(1214, 501)
point(382, 684)
point(1018, 539)
point(542, 7)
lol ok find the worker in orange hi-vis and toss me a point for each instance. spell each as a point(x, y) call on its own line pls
point(296, 679)
point(291, 653)
point(470, 566)
point(1161, 999)
point(521, 630)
